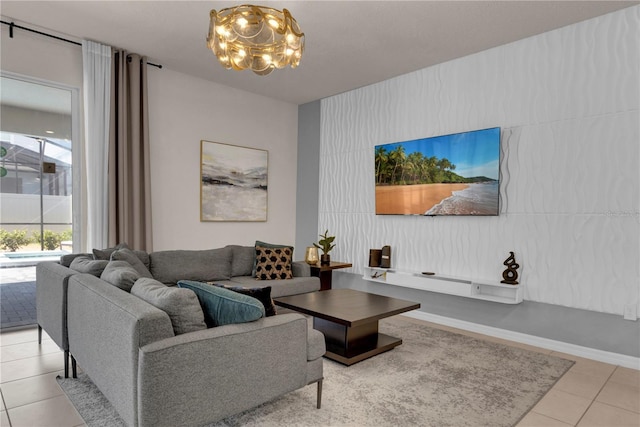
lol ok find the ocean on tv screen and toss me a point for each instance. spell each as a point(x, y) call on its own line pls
point(455, 174)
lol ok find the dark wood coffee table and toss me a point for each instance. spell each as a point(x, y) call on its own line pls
point(349, 321)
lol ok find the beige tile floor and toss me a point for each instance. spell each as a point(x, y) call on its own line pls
point(591, 393)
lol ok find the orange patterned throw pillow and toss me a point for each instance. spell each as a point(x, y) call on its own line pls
point(273, 263)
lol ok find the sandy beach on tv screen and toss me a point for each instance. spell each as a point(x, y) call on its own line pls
point(412, 199)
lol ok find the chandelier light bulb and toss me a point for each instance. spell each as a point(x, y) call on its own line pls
point(222, 31)
point(257, 38)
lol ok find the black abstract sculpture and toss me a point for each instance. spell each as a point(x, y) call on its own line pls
point(510, 275)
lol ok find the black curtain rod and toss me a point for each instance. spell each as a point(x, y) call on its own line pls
point(13, 25)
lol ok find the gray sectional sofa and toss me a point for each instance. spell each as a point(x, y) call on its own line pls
point(153, 376)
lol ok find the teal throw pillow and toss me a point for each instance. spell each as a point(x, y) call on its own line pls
point(222, 306)
point(261, 294)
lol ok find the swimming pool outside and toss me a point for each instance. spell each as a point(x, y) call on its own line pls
point(24, 259)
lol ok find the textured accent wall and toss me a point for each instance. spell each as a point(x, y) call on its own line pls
point(568, 104)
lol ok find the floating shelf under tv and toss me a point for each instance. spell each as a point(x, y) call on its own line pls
point(478, 289)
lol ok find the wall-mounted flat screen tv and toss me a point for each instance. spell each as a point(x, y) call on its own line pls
point(444, 175)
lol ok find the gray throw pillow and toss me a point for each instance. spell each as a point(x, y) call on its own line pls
point(120, 274)
point(242, 260)
point(143, 256)
point(86, 264)
point(105, 254)
point(180, 304)
point(129, 256)
point(67, 259)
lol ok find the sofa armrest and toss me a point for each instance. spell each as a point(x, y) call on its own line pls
point(300, 269)
point(52, 280)
point(107, 327)
point(208, 375)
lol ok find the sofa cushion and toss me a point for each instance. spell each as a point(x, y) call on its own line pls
point(266, 245)
point(273, 263)
point(204, 266)
point(130, 257)
point(222, 306)
point(261, 294)
point(120, 274)
point(86, 264)
point(181, 305)
point(279, 288)
point(242, 260)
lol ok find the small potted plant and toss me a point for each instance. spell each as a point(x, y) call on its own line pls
point(325, 244)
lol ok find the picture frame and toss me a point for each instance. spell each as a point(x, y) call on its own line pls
point(233, 183)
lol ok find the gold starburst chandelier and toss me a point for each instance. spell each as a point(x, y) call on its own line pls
point(255, 37)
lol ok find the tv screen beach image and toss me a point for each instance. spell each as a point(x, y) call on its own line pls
point(445, 175)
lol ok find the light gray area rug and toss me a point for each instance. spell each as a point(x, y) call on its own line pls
point(435, 378)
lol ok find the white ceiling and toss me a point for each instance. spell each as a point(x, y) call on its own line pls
point(349, 44)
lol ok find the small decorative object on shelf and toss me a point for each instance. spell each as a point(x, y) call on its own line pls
point(326, 244)
point(375, 256)
point(378, 274)
point(380, 257)
point(386, 257)
point(510, 275)
point(311, 255)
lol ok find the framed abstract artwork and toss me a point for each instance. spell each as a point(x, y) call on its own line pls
point(233, 182)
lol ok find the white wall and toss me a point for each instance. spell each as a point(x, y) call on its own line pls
point(41, 57)
point(568, 104)
point(183, 111)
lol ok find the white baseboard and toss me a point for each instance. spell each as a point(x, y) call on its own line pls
point(563, 347)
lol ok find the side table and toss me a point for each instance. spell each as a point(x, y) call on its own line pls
point(324, 272)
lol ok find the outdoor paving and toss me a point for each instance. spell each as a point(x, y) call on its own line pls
point(17, 274)
point(17, 283)
point(17, 304)
point(17, 297)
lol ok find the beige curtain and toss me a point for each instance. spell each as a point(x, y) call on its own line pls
point(129, 172)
